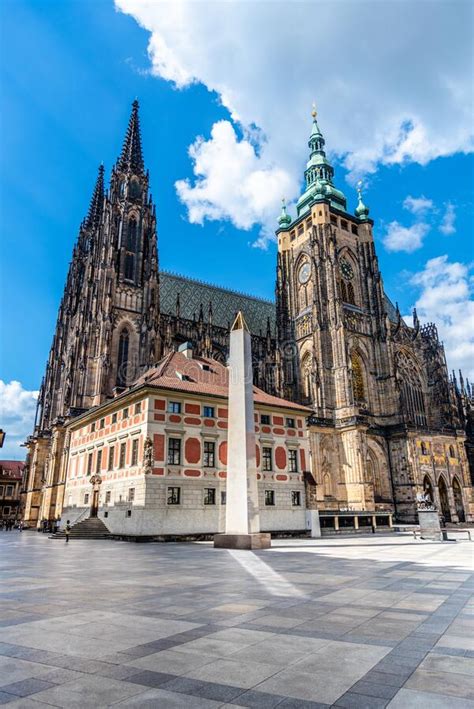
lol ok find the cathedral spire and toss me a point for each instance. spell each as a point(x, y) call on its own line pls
point(95, 210)
point(131, 157)
point(319, 173)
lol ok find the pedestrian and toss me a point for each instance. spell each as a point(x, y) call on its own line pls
point(20, 525)
point(67, 531)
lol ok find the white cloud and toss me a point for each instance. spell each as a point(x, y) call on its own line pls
point(231, 182)
point(447, 224)
point(445, 298)
point(418, 205)
point(401, 238)
point(17, 409)
point(381, 100)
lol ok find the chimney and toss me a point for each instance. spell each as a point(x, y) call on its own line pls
point(187, 349)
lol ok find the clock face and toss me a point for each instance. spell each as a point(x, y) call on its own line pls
point(304, 273)
point(346, 270)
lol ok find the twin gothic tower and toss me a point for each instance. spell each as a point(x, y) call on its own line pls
point(108, 323)
point(387, 421)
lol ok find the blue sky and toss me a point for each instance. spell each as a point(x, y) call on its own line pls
point(69, 72)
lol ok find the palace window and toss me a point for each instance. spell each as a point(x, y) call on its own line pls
point(9, 491)
point(266, 458)
point(223, 497)
point(174, 496)
point(138, 408)
point(135, 451)
point(111, 458)
point(293, 460)
point(290, 423)
point(209, 454)
point(296, 498)
point(174, 407)
point(123, 452)
point(122, 367)
point(125, 413)
point(265, 419)
point(208, 412)
point(89, 464)
point(114, 418)
point(102, 423)
point(209, 495)
point(98, 462)
point(270, 498)
point(92, 427)
point(174, 451)
point(344, 225)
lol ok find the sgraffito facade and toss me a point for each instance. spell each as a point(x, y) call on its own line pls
point(387, 422)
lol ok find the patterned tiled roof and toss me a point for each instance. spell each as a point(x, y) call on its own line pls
point(225, 303)
point(201, 375)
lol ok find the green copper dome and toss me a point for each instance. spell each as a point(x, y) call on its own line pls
point(319, 174)
point(284, 219)
point(361, 210)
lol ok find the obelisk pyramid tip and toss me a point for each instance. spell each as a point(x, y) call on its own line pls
point(239, 322)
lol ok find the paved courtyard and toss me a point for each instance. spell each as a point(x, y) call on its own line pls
point(366, 622)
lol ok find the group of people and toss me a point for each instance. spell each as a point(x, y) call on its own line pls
point(8, 524)
point(50, 526)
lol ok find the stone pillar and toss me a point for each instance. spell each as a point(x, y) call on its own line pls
point(242, 522)
point(313, 524)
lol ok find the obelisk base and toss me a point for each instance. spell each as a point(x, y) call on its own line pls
point(261, 540)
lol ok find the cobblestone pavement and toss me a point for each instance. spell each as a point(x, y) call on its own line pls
point(365, 622)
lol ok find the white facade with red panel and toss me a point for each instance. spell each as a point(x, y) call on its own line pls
point(185, 421)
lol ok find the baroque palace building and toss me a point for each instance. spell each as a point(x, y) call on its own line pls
point(386, 422)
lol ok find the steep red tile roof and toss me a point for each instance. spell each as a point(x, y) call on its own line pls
point(202, 375)
point(12, 468)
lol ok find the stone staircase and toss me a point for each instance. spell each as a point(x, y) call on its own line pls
point(91, 528)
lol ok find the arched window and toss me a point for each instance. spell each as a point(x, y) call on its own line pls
point(131, 247)
point(458, 503)
point(122, 361)
point(358, 388)
point(428, 488)
point(411, 391)
point(306, 371)
point(452, 453)
point(327, 487)
point(424, 448)
point(350, 294)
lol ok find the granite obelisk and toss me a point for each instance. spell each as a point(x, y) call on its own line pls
point(242, 521)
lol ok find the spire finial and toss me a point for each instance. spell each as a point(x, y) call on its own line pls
point(314, 112)
point(95, 209)
point(284, 219)
point(131, 157)
point(361, 210)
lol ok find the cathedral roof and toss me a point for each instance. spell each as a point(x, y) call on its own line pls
point(202, 375)
point(225, 303)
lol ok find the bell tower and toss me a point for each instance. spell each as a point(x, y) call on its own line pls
point(331, 321)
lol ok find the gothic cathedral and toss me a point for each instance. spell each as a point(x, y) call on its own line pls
point(387, 421)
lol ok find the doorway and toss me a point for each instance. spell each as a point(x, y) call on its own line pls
point(95, 503)
point(443, 499)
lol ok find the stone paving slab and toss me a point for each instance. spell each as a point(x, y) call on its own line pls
point(369, 622)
